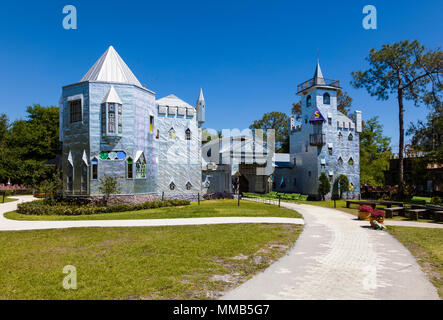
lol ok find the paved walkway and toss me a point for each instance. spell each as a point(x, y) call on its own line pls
point(9, 225)
point(336, 257)
point(339, 257)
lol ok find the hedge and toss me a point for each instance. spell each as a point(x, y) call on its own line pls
point(41, 207)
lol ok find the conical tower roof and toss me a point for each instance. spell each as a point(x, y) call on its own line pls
point(111, 68)
point(318, 75)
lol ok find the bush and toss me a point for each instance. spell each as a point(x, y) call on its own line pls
point(44, 207)
point(436, 200)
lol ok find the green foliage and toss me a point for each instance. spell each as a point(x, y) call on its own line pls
point(344, 186)
point(374, 153)
point(324, 185)
point(279, 122)
point(108, 185)
point(44, 207)
point(344, 102)
point(410, 72)
point(25, 145)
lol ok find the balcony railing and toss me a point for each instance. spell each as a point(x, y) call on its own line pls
point(317, 139)
point(318, 81)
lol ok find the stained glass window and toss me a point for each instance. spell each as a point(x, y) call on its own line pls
point(120, 118)
point(351, 162)
point(188, 185)
point(340, 161)
point(140, 168)
point(172, 186)
point(350, 137)
point(172, 134)
point(111, 118)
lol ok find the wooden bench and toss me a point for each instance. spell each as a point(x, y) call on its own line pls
point(438, 215)
point(368, 203)
point(413, 214)
point(395, 210)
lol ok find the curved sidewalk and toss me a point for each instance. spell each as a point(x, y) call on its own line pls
point(339, 257)
point(11, 225)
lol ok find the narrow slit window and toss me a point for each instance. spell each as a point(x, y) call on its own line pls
point(84, 178)
point(172, 186)
point(94, 165)
point(130, 168)
point(151, 124)
point(350, 137)
point(188, 134)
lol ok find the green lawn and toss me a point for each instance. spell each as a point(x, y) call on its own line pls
point(427, 247)
point(7, 199)
point(182, 262)
point(209, 208)
point(341, 205)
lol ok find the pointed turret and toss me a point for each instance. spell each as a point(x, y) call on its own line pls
point(318, 75)
point(111, 68)
point(200, 106)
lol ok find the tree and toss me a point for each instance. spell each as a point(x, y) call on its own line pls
point(341, 185)
point(375, 152)
point(324, 185)
point(296, 110)
point(279, 122)
point(344, 102)
point(108, 185)
point(25, 145)
point(408, 70)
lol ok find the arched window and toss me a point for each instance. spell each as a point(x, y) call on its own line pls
point(350, 137)
point(308, 101)
point(340, 136)
point(351, 161)
point(340, 161)
point(188, 185)
point(326, 98)
point(208, 153)
point(172, 134)
point(188, 134)
point(172, 185)
point(94, 169)
point(140, 167)
point(130, 168)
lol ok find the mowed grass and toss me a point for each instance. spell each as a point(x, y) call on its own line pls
point(7, 199)
point(426, 245)
point(181, 262)
point(341, 205)
point(209, 208)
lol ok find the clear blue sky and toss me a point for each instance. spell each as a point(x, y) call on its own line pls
point(248, 56)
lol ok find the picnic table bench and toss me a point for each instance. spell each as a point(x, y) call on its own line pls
point(395, 210)
point(373, 203)
point(413, 214)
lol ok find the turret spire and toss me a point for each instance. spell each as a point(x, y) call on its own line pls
point(318, 75)
point(201, 107)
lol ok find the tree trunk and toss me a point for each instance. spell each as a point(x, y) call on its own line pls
point(401, 111)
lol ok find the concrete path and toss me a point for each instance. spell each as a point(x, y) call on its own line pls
point(9, 225)
point(414, 224)
point(339, 257)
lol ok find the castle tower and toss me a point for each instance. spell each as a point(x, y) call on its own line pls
point(200, 106)
point(326, 140)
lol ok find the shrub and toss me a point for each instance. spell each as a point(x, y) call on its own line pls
point(436, 200)
point(43, 207)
